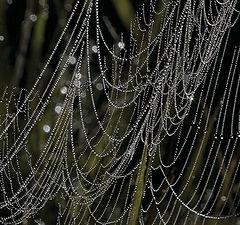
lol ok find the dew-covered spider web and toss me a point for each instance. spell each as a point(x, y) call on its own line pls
point(135, 128)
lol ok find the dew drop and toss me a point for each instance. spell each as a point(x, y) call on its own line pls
point(224, 198)
point(83, 94)
point(77, 81)
point(63, 90)
point(191, 98)
point(78, 76)
point(72, 60)
point(1, 38)
point(94, 48)
point(121, 45)
point(99, 86)
point(58, 109)
point(46, 128)
point(33, 17)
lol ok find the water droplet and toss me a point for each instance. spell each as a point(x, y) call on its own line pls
point(224, 198)
point(191, 98)
point(46, 128)
point(58, 109)
point(72, 60)
point(83, 94)
point(121, 45)
point(63, 90)
point(221, 137)
point(94, 48)
point(77, 81)
point(1, 38)
point(78, 76)
point(33, 17)
point(99, 86)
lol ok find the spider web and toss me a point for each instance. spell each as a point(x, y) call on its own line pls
point(163, 99)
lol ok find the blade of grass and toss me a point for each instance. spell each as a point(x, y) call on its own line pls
point(139, 188)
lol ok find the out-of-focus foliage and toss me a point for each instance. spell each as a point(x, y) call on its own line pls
point(29, 30)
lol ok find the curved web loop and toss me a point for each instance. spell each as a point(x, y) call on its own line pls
point(152, 114)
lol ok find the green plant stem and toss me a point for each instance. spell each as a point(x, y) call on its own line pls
point(125, 11)
point(139, 189)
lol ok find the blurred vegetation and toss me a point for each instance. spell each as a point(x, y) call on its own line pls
point(29, 30)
